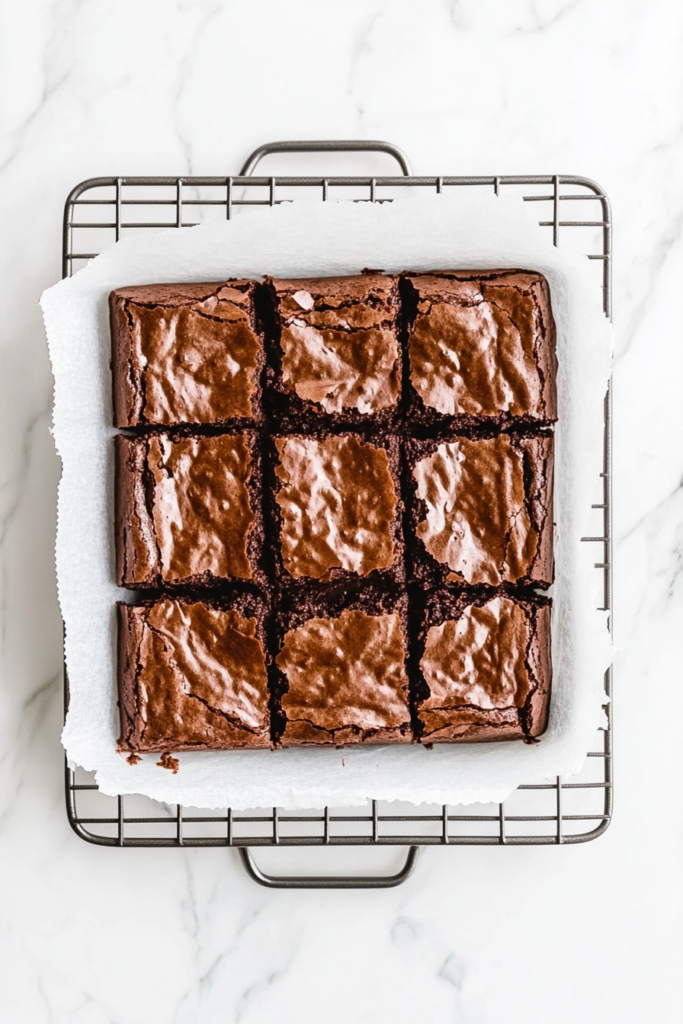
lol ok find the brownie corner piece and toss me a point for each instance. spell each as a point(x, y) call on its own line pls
point(192, 675)
point(484, 667)
point(480, 510)
point(342, 667)
point(188, 509)
point(335, 349)
point(186, 353)
point(481, 347)
point(337, 506)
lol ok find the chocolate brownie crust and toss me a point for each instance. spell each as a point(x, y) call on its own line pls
point(481, 509)
point(337, 506)
point(193, 675)
point(342, 669)
point(481, 347)
point(188, 510)
point(336, 349)
point(485, 670)
point(186, 353)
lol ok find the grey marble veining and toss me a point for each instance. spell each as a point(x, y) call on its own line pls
point(589, 933)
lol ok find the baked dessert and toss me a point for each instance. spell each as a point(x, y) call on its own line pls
point(336, 351)
point(484, 668)
point(186, 353)
point(193, 675)
point(188, 509)
point(482, 510)
point(481, 346)
point(306, 445)
point(337, 506)
point(342, 669)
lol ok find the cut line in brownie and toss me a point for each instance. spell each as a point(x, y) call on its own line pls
point(341, 667)
point(193, 675)
point(481, 347)
point(481, 510)
point(337, 506)
point(188, 510)
point(335, 349)
point(186, 353)
point(484, 667)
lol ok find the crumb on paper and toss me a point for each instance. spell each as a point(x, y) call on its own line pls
point(171, 763)
point(133, 758)
point(343, 763)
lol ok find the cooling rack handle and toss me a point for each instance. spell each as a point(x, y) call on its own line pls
point(326, 146)
point(327, 882)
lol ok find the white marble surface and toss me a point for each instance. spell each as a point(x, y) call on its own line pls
point(590, 933)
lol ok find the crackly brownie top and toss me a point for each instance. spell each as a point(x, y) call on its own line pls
point(478, 520)
point(484, 345)
point(479, 659)
point(200, 672)
point(339, 343)
point(337, 502)
point(346, 671)
point(194, 352)
point(201, 510)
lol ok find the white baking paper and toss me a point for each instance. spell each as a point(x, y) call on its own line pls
point(312, 238)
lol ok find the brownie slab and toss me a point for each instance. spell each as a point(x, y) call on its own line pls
point(481, 346)
point(193, 675)
point(188, 510)
point(342, 663)
point(185, 353)
point(336, 351)
point(337, 506)
point(485, 669)
point(481, 510)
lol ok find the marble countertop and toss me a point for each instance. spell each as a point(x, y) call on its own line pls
point(478, 935)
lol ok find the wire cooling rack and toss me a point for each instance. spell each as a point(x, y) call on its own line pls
point(103, 210)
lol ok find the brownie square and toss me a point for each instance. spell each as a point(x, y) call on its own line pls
point(481, 510)
point(188, 510)
point(336, 355)
point(193, 675)
point(481, 347)
point(337, 507)
point(342, 668)
point(484, 668)
point(186, 353)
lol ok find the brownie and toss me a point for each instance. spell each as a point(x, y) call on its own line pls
point(186, 353)
point(481, 510)
point(337, 506)
point(481, 346)
point(484, 668)
point(193, 675)
point(336, 355)
point(188, 509)
point(342, 667)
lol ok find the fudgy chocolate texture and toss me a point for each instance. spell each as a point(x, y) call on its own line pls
point(185, 353)
point(193, 675)
point(188, 510)
point(482, 510)
point(342, 669)
point(485, 668)
point(336, 351)
point(337, 506)
point(481, 346)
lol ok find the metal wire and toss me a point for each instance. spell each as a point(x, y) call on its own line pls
point(104, 210)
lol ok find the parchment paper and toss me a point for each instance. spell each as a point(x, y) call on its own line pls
point(314, 238)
